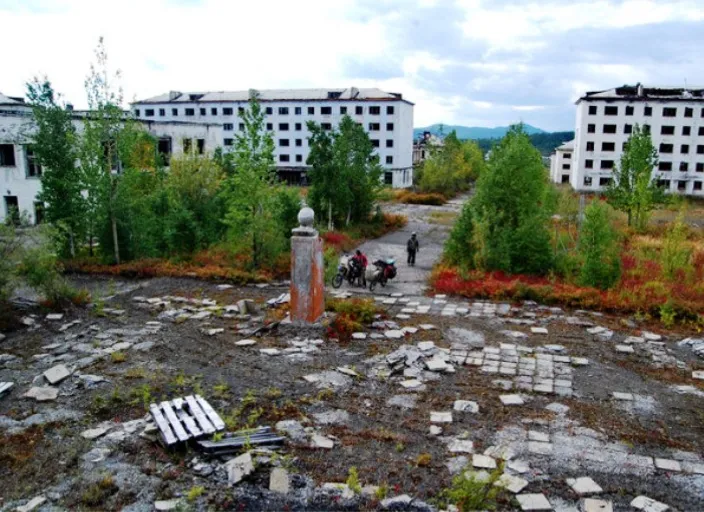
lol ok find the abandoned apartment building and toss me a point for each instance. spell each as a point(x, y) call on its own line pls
point(387, 118)
point(674, 117)
point(20, 174)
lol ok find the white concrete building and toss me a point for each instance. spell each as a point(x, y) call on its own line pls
point(675, 118)
point(561, 163)
point(20, 175)
point(387, 117)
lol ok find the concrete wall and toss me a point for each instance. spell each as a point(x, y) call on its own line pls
point(561, 166)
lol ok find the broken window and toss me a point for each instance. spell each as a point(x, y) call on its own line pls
point(283, 142)
point(311, 111)
point(389, 143)
point(688, 112)
point(681, 185)
point(667, 130)
point(603, 182)
point(666, 148)
point(611, 111)
point(646, 128)
point(240, 111)
point(589, 164)
point(227, 142)
point(665, 166)
point(608, 146)
point(283, 127)
point(299, 142)
point(567, 156)
point(388, 178)
point(591, 128)
point(190, 111)
point(684, 166)
point(607, 164)
point(343, 110)
point(34, 170)
point(174, 111)
point(669, 112)
point(648, 111)
point(609, 128)
point(326, 111)
point(283, 111)
point(629, 110)
point(284, 158)
point(299, 158)
point(149, 112)
point(697, 185)
point(686, 130)
point(375, 143)
point(269, 111)
point(270, 126)
point(213, 111)
point(389, 127)
point(587, 181)
point(228, 127)
point(374, 127)
point(203, 111)
point(12, 209)
point(187, 145)
point(326, 126)
point(627, 128)
point(565, 178)
point(359, 110)
point(590, 146)
point(374, 111)
point(241, 127)
point(227, 111)
point(162, 112)
point(664, 184)
point(7, 155)
point(566, 167)
point(684, 149)
point(164, 150)
point(200, 145)
point(592, 110)
point(38, 212)
point(298, 111)
point(700, 149)
point(389, 159)
point(699, 167)
point(701, 131)
point(390, 110)
point(299, 127)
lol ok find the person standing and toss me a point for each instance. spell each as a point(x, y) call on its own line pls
point(361, 261)
point(412, 247)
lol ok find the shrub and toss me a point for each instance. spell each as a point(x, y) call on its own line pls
point(353, 481)
point(675, 256)
point(468, 492)
point(598, 247)
point(431, 199)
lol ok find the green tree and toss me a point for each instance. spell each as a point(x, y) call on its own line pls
point(598, 248)
point(54, 146)
point(326, 183)
point(633, 189)
point(452, 167)
point(251, 218)
point(676, 254)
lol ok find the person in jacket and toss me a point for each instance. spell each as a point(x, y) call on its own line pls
point(412, 247)
point(361, 260)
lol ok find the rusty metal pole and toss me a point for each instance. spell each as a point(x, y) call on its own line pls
point(307, 271)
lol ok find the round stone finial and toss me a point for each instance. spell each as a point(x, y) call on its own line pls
point(305, 217)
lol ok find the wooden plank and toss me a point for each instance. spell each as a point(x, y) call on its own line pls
point(5, 386)
point(188, 421)
point(163, 425)
point(200, 416)
point(174, 421)
point(212, 415)
point(178, 403)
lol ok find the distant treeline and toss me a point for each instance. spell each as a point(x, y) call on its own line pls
point(545, 142)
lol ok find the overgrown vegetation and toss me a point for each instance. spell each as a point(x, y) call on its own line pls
point(472, 491)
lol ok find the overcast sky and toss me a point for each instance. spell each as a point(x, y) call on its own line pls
point(470, 62)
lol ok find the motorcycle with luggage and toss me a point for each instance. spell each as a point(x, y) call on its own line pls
point(382, 272)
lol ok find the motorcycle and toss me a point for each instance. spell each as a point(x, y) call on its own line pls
point(385, 270)
point(349, 269)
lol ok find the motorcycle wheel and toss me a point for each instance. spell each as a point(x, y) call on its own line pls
point(372, 285)
point(337, 281)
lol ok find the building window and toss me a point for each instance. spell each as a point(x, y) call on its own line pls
point(174, 111)
point(240, 111)
point(587, 181)
point(664, 184)
point(283, 127)
point(390, 110)
point(389, 127)
point(283, 142)
point(187, 145)
point(611, 111)
point(326, 111)
point(669, 112)
point(623, 146)
point(607, 164)
point(299, 142)
point(681, 185)
point(7, 155)
point(589, 164)
point(149, 112)
point(34, 170)
point(374, 127)
point(359, 110)
point(241, 127)
point(667, 130)
point(665, 166)
point(298, 111)
point(684, 166)
point(684, 149)
point(284, 158)
point(590, 146)
point(688, 112)
point(164, 149)
point(190, 112)
point(609, 128)
point(701, 131)
point(343, 110)
point(627, 128)
point(567, 156)
point(389, 143)
point(666, 148)
point(311, 111)
point(648, 111)
point(375, 143)
point(697, 185)
point(700, 149)
point(162, 112)
point(268, 111)
point(700, 167)
point(565, 178)
point(227, 111)
point(686, 130)
point(592, 110)
point(566, 167)
point(228, 127)
point(200, 146)
point(608, 146)
point(604, 182)
point(270, 126)
point(136, 112)
point(38, 212)
point(629, 110)
point(646, 128)
point(299, 158)
point(326, 126)
point(298, 127)
point(283, 111)
point(389, 160)
point(591, 128)
point(227, 142)
point(203, 111)
point(214, 111)
point(374, 111)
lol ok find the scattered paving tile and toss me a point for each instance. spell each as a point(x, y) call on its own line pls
point(668, 464)
point(483, 461)
point(411, 384)
point(538, 330)
point(511, 483)
point(55, 316)
point(270, 351)
point(651, 336)
point(648, 504)
point(461, 446)
point(538, 436)
point(94, 433)
point(511, 400)
point(699, 374)
point(279, 481)
point(245, 343)
point(633, 339)
point(359, 336)
point(540, 448)
point(404, 401)
point(466, 406)
point(42, 394)
point(320, 441)
point(239, 467)
point(56, 374)
point(435, 430)
point(427, 327)
point(584, 485)
point(394, 334)
point(213, 332)
point(519, 466)
point(624, 349)
point(32, 504)
point(533, 502)
point(557, 408)
point(592, 505)
point(440, 417)
point(622, 396)
point(162, 505)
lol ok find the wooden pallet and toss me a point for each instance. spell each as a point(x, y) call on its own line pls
point(5, 386)
point(186, 418)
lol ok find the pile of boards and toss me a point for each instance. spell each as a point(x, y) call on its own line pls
point(186, 418)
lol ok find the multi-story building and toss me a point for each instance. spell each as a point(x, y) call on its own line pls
point(561, 163)
point(387, 118)
point(424, 146)
point(20, 174)
point(674, 118)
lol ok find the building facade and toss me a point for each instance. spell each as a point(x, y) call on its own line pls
point(20, 174)
point(561, 163)
point(675, 119)
point(387, 118)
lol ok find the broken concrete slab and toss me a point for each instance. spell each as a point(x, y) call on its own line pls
point(511, 483)
point(332, 417)
point(359, 336)
point(168, 504)
point(55, 316)
point(648, 504)
point(440, 417)
point(624, 349)
point(56, 374)
point(32, 504)
point(511, 399)
point(279, 481)
point(94, 433)
point(592, 505)
point(320, 441)
point(461, 446)
point(584, 485)
point(622, 396)
point(239, 467)
point(394, 334)
point(538, 330)
point(483, 461)
point(533, 502)
point(466, 406)
point(668, 464)
point(270, 351)
point(42, 394)
point(404, 401)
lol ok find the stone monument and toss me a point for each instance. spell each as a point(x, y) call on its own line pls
point(307, 271)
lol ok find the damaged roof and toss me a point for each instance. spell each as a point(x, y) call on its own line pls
point(639, 92)
point(567, 146)
point(350, 93)
point(11, 100)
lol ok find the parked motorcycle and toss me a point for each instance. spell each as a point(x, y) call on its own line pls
point(384, 270)
point(348, 269)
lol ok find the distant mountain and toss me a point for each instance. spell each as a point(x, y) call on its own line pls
point(471, 132)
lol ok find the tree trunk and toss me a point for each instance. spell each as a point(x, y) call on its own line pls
point(329, 215)
point(629, 218)
point(116, 244)
point(255, 256)
point(72, 244)
point(349, 215)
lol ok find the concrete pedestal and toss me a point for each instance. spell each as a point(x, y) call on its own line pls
point(307, 276)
